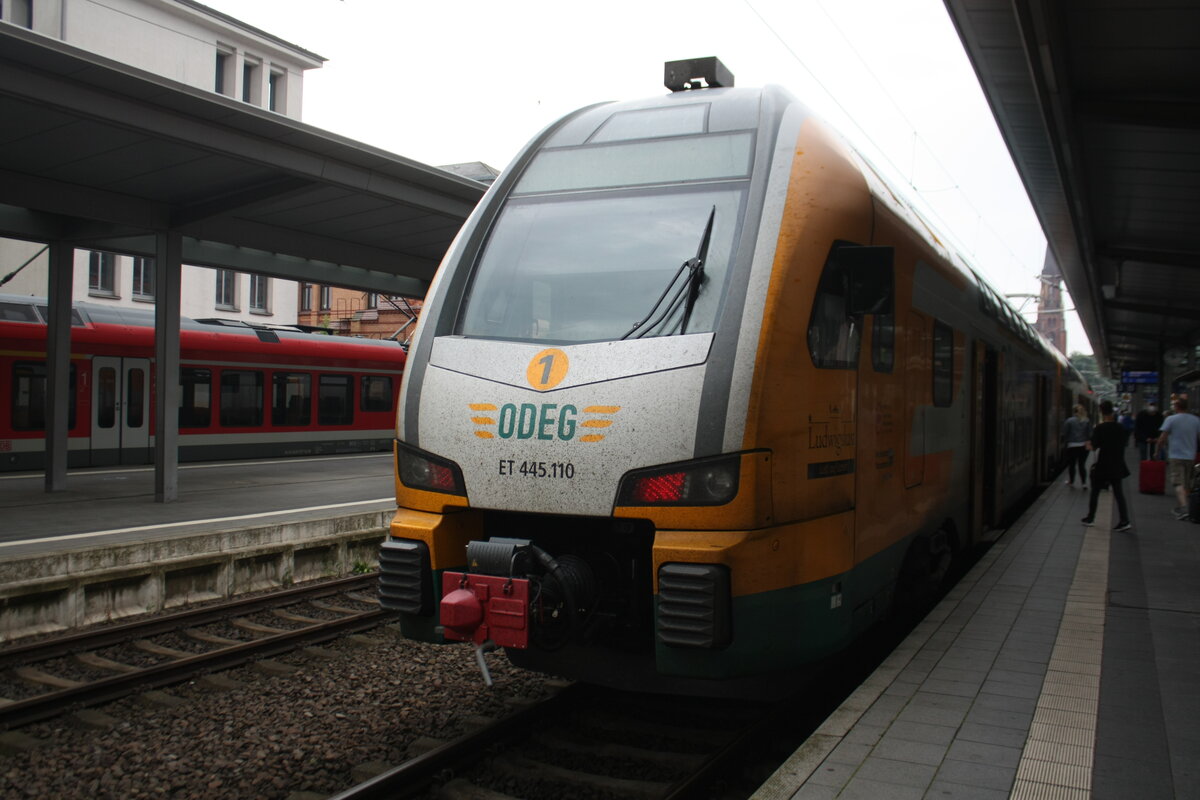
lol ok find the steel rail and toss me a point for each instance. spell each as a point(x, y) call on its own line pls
point(411, 777)
point(15, 655)
point(56, 702)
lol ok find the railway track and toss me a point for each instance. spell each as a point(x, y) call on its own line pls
point(584, 742)
point(46, 678)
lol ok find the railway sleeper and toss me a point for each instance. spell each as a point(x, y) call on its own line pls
point(102, 663)
point(526, 769)
point(249, 626)
point(210, 638)
point(702, 738)
point(39, 677)
point(327, 606)
point(290, 617)
point(160, 650)
point(659, 758)
point(463, 789)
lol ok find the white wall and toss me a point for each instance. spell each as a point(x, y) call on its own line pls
point(178, 42)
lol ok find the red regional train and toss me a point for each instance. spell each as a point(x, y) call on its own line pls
point(246, 390)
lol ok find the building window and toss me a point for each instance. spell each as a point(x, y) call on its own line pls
point(102, 274)
point(276, 87)
point(325, 298)
point(372, 300)
point(227, 289)
point(20, 12)
point(221, 78)
point(306, 297)
point(143, 278)
point(259, 293)
point(251, 92)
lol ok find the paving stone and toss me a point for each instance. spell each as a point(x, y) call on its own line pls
point(970, 773)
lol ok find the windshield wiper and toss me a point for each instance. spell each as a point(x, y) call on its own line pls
point(691, 284)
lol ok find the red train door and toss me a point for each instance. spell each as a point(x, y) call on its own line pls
point(120, 410)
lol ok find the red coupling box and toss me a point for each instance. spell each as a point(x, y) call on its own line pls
point(476, 608)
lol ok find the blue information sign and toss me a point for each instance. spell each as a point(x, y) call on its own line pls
point(1142, 376)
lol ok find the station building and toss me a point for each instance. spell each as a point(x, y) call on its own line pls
point(200, 47)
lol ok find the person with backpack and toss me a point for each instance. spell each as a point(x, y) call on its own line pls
point(1109, 440)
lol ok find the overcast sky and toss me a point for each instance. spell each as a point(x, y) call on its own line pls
point(473, 80)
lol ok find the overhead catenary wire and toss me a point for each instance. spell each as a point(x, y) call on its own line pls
point(926, 207)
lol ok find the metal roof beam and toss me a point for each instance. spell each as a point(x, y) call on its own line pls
point(1148, 255)
point(1156, 112)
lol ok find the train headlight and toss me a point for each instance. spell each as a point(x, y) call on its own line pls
point(420, 470)
point(707, 482)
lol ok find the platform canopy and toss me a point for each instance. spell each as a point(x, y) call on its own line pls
point(1099, 104)
point(105, 155)
point(99, 155)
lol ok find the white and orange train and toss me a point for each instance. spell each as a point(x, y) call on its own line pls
point(694, 392)
point(246, 391)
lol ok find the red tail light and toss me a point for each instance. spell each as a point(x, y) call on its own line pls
point(659, 488)
point(704, 482)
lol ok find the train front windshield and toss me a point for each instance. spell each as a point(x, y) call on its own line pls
point(592, 237)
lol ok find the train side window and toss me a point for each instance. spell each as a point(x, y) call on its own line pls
point(135, 397)
point(883, 342)
point(17, 312)
point(335, 400)
point(106, 397)
point(375, 393)
point(292, 398)
point(241, 398)
point(28, 410)
point(195, 397)
point(943, 364)
point(833, 334)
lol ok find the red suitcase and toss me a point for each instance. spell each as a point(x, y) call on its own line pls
point(1152, 477)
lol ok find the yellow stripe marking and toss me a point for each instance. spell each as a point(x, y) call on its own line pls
point(597, 423)
point(601, 409)
point(483, 420)
point(591, 437)
point(482, 407)
point(484, 434)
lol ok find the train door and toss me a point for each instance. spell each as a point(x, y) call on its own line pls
point(989, 434)
point(120, 410)
point(918, 381)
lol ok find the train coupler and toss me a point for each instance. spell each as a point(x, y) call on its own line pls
point(481, 608)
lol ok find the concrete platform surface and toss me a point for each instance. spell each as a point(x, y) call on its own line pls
point(113, 505)
point(1065, 665)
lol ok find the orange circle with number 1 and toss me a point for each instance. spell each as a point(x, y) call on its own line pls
point(547, 369)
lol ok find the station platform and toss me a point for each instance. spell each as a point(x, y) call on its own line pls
point(103, 549)
point(1064, 665)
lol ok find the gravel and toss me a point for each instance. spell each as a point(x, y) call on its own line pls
point(362, 700)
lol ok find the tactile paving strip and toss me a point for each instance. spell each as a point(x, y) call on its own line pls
point(1058, 755)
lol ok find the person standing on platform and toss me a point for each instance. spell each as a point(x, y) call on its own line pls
point(1076, 431)
point(1178, 439)
point(1109, 439)
point(1145, 430)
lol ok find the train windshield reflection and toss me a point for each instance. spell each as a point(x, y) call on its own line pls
point(585, 267)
